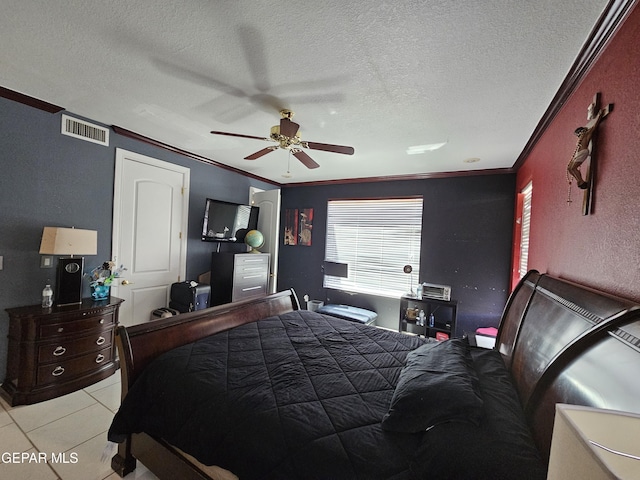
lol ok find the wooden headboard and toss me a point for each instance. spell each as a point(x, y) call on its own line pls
point(565, 343)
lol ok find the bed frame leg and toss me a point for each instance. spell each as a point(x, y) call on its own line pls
point(123, 463)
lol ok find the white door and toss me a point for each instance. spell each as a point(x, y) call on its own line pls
point(150, 215)
point(269, 225)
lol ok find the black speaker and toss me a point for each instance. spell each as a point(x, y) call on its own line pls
point(69, 281)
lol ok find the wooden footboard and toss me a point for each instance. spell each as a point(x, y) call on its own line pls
point(140, 344)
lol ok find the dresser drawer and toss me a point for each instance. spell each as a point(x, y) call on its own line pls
point(250, 278)
point(61, 371)
point(68, 348)
point(248, 291)
point(250, 261)
point(79, 326)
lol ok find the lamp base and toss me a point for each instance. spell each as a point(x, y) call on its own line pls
point(69, 281)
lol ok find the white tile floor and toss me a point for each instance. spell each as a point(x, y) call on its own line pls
point(69, 431)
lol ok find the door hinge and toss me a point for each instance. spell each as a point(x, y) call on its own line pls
point(180, 236)
point(182, 190)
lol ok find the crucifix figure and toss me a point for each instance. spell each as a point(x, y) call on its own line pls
point(584, 150)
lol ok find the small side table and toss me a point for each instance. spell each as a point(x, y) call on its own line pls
point(58, 350)
point(444, 312)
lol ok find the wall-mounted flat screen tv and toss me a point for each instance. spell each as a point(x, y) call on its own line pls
point(228, 222)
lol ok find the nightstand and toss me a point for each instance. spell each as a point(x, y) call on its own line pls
point(58, 350)
point(444, 312)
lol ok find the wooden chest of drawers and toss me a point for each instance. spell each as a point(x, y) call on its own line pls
point(238, 276)
point(58, 350)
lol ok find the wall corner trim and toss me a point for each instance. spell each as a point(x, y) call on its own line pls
point(614, 14)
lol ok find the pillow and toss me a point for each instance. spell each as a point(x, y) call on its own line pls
point(499, 448)
point(438, 384)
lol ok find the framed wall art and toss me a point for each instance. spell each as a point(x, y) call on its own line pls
point(298, 226)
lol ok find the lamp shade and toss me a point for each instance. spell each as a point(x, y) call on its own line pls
point(591, 443)
point(68, 241)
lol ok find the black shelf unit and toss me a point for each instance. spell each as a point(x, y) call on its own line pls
point(444, 312)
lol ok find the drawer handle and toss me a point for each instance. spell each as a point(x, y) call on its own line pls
point(59, 350)
point(251, 288)
point(245, 277)
point(101, 321)
point(100, 340)
point(60, 329)
point(99, 358)
point(58, 371)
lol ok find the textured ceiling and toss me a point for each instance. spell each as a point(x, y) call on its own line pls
point(379, 76)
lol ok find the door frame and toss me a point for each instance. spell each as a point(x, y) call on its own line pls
point(275, 237)
point(121, 156)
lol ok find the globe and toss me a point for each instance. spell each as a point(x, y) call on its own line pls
point(254, 239)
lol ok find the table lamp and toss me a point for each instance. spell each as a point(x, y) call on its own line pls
point(68, 241)
point(593, 444)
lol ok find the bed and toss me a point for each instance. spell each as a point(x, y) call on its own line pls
point(262, 389)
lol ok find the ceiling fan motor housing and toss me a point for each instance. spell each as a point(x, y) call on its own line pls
point(287, 136)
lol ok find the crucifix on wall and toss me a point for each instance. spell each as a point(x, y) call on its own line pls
point(585, 151)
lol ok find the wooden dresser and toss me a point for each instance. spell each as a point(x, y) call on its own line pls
point(55, 351)
point(238, 276)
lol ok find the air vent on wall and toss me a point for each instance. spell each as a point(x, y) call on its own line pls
point(85, 130)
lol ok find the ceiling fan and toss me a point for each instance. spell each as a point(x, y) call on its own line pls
point(286, 136)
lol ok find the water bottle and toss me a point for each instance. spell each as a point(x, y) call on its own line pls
point(432, 320)
point(421, 318)
point(47, 296)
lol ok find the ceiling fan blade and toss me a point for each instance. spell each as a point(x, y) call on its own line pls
point(260, 153)
point(306, 160)
point(329, 148)
point(240, 135)
point(288, 128)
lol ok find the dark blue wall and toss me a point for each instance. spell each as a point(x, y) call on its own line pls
point(49, 179)
point(466, 243)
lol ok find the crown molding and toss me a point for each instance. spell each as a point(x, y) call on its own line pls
point(157, 143)
point(611, 18)
point(30, 101)
point(614, 14)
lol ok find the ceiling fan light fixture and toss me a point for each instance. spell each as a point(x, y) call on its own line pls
point(430, 147)
point(471, 160)
point(287, 136)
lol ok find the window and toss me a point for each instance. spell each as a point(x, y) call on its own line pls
point(376, 239)
point(525, 228)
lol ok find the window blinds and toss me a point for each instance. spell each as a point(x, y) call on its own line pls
point(376, 239)
point(525, 230)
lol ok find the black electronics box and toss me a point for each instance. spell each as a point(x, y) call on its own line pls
point(189, 296)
